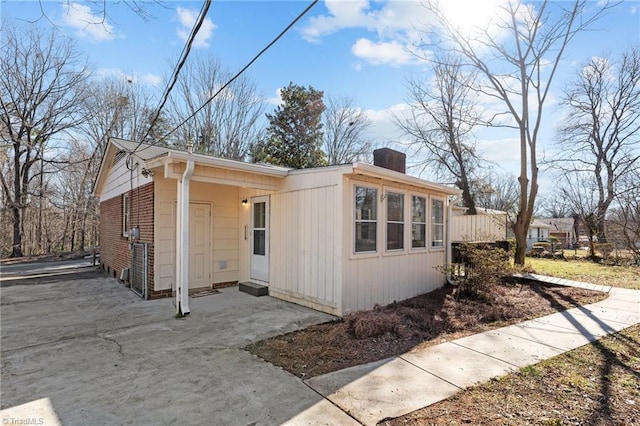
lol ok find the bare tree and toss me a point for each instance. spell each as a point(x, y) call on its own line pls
point(441, 121)
point(228, 124)
point(583, 203)
point(345, 126)
point(518, 66)
point(624, 218)
point(497, 192)
point(601, 135)
point(42, 87)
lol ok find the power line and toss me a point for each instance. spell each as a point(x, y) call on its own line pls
point(176, 71)
point(255, 58)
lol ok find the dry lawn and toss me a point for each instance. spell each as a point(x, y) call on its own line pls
point(596, 384)
point(626, 276)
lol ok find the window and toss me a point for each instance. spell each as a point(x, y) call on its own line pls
point(437, 223)
point(126, 214)
point(395, 221)
point(418, 222)
point(366, 217)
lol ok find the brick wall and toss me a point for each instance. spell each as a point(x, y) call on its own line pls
point(115, 254)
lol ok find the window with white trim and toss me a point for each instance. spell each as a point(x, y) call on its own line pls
point(366, 219)
point(395, 221)
point(437, 223)
point(126, 214)
point(418, 222)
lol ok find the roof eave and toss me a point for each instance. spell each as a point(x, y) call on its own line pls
point(381, 172)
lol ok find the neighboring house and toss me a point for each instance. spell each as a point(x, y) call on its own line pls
point(538, 231)
point(337, 239)
point(485, 225)
point(563, 229)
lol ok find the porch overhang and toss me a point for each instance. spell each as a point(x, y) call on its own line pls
point(221, 171)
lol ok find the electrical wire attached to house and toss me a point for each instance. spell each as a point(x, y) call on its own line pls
point(238, 74)
point(176, 71)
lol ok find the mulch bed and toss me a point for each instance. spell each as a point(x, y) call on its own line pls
point(431, 318)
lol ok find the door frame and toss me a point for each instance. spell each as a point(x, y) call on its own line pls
point(252, 261)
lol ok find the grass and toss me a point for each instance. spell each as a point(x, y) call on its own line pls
point(587, 271)
point(596, 384)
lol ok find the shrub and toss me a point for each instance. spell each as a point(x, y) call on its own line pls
point(485, 267)
point(605, 249)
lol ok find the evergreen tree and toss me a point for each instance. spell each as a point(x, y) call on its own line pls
point(294, 135)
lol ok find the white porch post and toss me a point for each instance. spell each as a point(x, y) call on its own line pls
point(182, 242)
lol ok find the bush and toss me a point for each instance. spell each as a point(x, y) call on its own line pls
point(485, 267)
point(605, 249)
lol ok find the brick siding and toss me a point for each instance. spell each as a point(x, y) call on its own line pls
point(115, 254)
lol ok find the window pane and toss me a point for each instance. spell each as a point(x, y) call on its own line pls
point(418, 235)
point(437, 235)
point(419, 209)
point(365, 236)
point(437, 210)
point(259, 242)
point(395, 233)
point(259, 215)
point(395, 207)
point(366, 203)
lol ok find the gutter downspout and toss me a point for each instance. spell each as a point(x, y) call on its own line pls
point(448, 257)
point(182, 250)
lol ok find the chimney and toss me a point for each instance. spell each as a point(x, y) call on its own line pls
point(390, 159)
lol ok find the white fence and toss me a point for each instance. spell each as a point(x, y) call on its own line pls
point(479, 227)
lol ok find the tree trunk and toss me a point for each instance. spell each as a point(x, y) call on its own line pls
point(520, 231)
point(16, 250)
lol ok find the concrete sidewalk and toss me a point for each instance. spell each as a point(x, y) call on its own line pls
point(402, 384)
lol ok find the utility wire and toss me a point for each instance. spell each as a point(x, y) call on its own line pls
point(176, 71)
point(255, 58)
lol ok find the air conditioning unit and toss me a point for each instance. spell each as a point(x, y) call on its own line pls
point(124, 275)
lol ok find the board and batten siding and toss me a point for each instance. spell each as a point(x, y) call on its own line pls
point(383, 277)
point(225, 246)
point(306, 241)
point(478, 227)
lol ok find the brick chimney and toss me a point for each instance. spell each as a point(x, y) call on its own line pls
point(390, 159)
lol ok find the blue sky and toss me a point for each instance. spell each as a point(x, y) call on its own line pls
point(353, 48)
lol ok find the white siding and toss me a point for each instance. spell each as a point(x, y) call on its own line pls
point(225, 250)
point(306, 241)
point(120, 180)
point(479, 227)
point(384, 277)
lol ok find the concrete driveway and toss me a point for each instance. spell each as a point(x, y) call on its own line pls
point(82, 349)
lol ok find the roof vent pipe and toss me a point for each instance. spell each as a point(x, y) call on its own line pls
point(190, 147)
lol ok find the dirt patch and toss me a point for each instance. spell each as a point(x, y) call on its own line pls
point(596, 384)
point(428, 319)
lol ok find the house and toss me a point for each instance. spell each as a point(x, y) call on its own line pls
point(485, 225)
point(538, 231)
point(337, 239)
point(563, 229)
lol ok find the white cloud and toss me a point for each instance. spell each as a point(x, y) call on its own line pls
point(187, 18)
point(86, 23)
point(392, 53)
point(277, 99)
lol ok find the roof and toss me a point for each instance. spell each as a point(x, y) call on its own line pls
point(155, 155)
point(376, 171)
point(560, 224)
point(536, 223)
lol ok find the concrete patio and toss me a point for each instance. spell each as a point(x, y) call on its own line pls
point(82, 349)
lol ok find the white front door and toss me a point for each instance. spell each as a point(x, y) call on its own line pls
point(260, 238)
point(199, 245)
